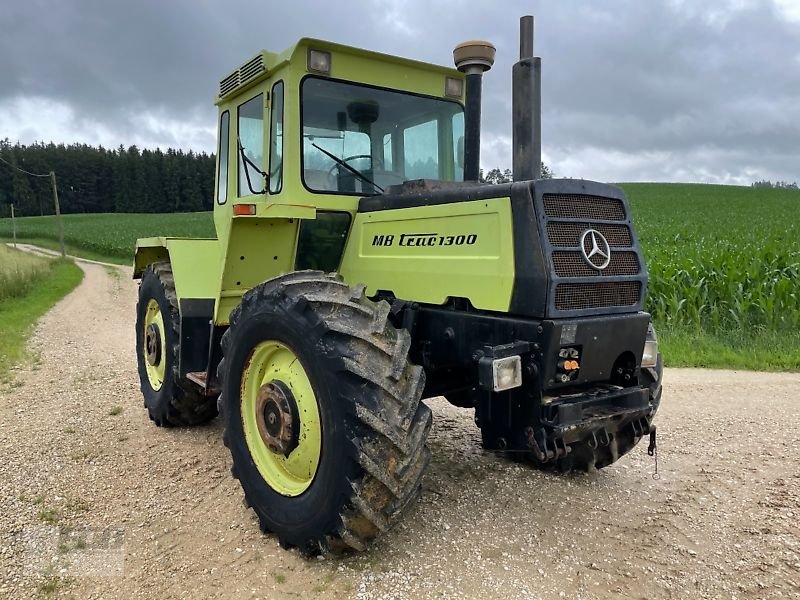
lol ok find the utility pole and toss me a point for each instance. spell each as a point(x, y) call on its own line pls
point(58, 214)
point(14, 226)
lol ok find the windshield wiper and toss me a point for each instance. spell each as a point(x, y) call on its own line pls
point(354, 171)
point(246, 159)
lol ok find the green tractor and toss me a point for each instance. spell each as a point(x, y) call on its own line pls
point(360, 266)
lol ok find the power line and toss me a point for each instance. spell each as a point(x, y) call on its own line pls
point(23, 170)
point(52, 176)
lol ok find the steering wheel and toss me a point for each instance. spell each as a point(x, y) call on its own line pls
point(355, 157)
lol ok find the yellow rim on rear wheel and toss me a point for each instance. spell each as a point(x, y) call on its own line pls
point(154, 345)
point(272, 364)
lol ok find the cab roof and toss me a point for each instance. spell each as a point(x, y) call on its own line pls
point(265, 63)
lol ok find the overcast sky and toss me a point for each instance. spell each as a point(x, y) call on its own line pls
point(633, 90)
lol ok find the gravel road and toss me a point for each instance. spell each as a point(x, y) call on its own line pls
point(99, 503)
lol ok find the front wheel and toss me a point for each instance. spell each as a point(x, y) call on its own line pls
point(169, 400)
point(322, 412)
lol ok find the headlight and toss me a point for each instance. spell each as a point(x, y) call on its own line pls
point(650, 355)
point(506, 373)
point(319, 61)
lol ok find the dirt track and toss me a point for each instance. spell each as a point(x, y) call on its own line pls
point(79, 453)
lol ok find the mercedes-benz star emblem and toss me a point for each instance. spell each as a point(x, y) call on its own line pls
point(595, 249)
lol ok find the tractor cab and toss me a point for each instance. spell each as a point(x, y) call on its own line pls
point(305, 135)
point(324, 124)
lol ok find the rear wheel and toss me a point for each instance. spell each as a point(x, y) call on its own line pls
point(169, 400)
point(322, 412)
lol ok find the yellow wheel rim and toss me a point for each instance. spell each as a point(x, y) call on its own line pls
point(154, 345)
point(272, 361)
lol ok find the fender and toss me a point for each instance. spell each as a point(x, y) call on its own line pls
point(195, 269)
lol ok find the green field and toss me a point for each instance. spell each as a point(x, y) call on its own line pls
point(724, 265)
point(109, 236)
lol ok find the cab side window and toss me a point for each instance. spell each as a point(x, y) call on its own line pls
point(251, 140)
point(321, 241)
point(276, 140)
point(222, 157)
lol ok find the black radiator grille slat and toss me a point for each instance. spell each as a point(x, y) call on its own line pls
point(580, 206)
point(579, 296)
point(572, 264)
point(577, 285)
point(568, 233)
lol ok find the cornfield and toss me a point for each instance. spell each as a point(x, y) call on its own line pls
point(720, 258)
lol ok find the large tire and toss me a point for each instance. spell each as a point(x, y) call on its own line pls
point(169, 400)
point(372, 426)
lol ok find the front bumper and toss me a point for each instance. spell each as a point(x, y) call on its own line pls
point(598, 415)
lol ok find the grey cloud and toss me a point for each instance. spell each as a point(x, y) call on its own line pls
point(657, 79)
point(654, 84)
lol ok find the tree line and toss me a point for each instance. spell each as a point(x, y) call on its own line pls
point(506, 176)
point(99, 180)
point(779, 185)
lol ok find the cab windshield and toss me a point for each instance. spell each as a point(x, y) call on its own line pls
point(360, 140)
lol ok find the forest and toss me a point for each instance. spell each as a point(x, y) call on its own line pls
point(100, 180)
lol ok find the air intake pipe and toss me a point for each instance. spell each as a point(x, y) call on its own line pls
point(473, 58)
point(526, 107)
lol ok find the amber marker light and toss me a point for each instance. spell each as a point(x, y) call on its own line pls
point(241, 210)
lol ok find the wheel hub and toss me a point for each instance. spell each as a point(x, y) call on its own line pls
point(277, 417)
point(152, 344)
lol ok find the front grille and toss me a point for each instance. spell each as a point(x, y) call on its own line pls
point(572, 264)
point(602, 226)
point(568, 233)
point(579, 296)
point(580, 206)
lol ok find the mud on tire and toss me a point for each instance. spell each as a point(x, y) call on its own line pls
point(175, 402)
point(374, 427)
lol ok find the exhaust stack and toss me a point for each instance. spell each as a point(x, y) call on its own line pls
point(526, 107)
point(473, 58)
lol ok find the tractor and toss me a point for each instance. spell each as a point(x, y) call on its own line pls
point(360, 266)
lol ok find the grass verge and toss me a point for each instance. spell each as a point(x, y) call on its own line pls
point(743, 350)
point(72, 250)
point(18, 314)
point(19, 272)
